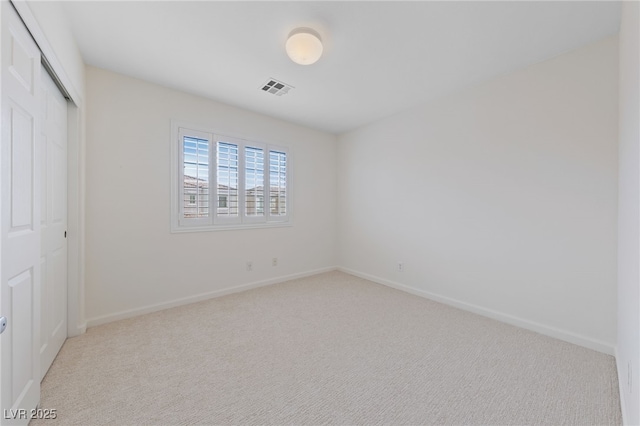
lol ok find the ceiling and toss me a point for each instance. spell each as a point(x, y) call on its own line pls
point(380, 57)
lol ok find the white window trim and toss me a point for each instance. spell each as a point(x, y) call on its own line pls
point(214, 223)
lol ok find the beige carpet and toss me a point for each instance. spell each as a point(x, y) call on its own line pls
point(331, 348)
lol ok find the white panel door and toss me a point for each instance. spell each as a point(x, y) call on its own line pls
point(20, 237)
point(53, 168)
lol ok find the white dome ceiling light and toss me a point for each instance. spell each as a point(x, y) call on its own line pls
point(304, 46)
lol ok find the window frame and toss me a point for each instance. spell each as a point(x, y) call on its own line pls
point(213, 222)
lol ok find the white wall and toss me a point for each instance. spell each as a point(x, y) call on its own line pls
point(628, 351)
point(134, 263)
point(500, 199)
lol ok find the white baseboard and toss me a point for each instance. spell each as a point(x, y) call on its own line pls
point(77, 330)
point(200, 297)
point(621, 379)
point(554, 332)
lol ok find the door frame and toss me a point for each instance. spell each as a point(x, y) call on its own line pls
point(76, 322)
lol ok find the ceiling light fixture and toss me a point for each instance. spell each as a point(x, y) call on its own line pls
point(304, 46)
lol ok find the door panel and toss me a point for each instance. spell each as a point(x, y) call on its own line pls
point(20, 220)
point(21, 62)
point(21, 177)
point(53, 139)
point(21, 289)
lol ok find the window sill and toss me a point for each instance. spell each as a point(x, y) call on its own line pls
point(233, 227)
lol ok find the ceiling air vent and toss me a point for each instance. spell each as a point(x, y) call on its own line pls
point(276, 87)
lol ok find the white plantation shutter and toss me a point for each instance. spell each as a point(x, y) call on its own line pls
point(194, 177)
point(254, 185)
point(278, 185)
point(227, 181)
point(222, 182)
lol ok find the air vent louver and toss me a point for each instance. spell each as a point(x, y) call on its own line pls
point(276, 87)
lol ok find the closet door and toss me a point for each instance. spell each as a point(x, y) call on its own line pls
point(20, 221)
point(53, 168)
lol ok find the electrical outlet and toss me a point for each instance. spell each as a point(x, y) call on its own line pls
point(400, 267)
point(249, 266)
point(274, 261)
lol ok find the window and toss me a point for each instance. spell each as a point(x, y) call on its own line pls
point(223, 182)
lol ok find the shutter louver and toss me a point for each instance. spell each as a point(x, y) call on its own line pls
point(254, 181)
point(195, 177)
point(277, 183)
point(227, 180)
